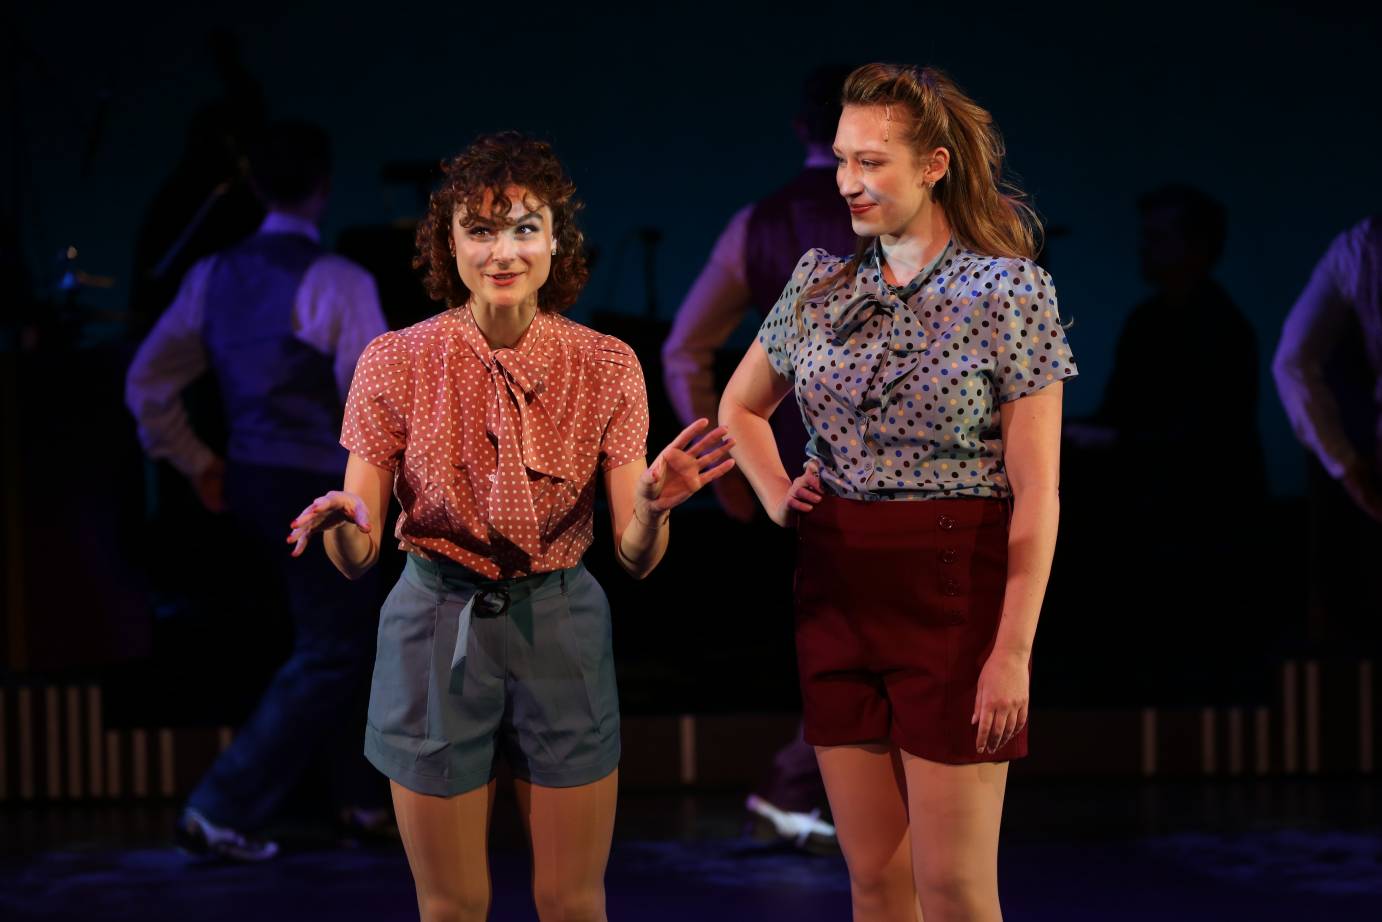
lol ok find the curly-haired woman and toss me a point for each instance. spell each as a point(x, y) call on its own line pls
point(491, 422)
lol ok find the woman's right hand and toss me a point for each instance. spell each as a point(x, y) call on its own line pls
point(326, 512)
point(801, 496)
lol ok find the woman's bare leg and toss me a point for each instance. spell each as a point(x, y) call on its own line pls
point(446, 840)
point(570, 831)
point(956, 810)
point(868, 799)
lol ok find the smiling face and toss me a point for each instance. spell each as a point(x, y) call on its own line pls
point(878, 172)
point(504, 259)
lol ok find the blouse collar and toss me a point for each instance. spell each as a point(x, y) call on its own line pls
point(871, 295)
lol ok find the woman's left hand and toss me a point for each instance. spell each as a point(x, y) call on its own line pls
point(1000, 707)
point(683, 467)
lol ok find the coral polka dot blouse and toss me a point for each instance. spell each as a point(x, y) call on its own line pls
point(495, 451)
point(899, 387)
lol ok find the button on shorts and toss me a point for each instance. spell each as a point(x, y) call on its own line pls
point(897, 609)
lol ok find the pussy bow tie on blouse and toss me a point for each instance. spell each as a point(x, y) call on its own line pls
point(907, 337)
point(519, 420)
point(870, 296)
point(848, 317)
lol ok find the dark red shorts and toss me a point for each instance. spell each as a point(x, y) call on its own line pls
point(897, 606)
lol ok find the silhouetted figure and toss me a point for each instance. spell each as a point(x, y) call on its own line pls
point(1189, 325)
point(1180, 406)
point(280, 323)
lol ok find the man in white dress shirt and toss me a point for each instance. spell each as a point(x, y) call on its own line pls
point(280, 323)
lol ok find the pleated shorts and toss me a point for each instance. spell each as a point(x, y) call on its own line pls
point(468, 668)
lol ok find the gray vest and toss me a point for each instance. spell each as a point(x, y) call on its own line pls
point(282, 405)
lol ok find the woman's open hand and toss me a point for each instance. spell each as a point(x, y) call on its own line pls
point(692, 460)
point(332, 510)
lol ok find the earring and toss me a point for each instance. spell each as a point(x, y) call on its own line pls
point(554, 251)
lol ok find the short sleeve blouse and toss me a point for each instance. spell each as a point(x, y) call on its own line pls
point(899, 387)
point(495, 452)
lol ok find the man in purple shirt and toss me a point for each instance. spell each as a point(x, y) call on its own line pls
point(751, 262)
point(280, 323)
point(1345, 291)
point(1328, 372)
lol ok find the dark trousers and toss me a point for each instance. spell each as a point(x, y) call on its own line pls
point(795, 782)
point(313, 709)
point(1345, 592)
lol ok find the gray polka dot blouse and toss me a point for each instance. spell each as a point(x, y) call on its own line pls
point(899, 388)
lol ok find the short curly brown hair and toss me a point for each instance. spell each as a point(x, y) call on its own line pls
point(493, 163)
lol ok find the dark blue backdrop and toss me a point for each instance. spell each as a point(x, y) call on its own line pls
point(673, 115)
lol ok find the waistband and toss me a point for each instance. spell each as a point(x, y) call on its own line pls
point(835, 513)
point(448, 576)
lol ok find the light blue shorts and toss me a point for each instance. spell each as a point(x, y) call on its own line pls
point(534, 674)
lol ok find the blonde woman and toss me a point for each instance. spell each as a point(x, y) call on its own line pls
point(927, 367)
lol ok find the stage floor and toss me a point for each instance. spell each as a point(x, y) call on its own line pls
point(1071, 851)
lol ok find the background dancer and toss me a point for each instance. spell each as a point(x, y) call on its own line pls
point(280, 323)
